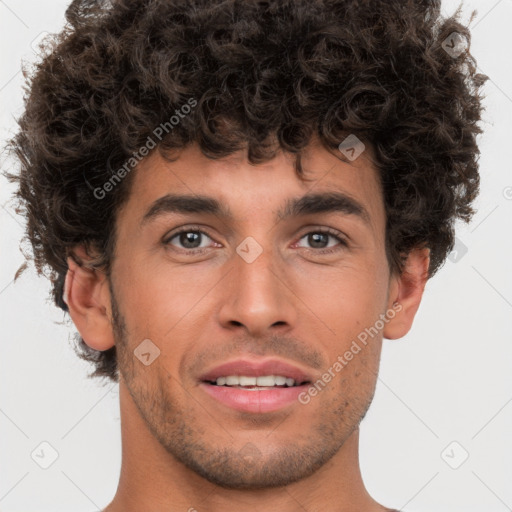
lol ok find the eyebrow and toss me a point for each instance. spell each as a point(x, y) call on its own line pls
point(326, 202)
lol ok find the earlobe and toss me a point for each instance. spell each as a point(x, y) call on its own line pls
point(407, 291)
point(87, 295)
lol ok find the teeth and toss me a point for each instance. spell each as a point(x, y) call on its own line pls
point(247, 381)
point(263, 381)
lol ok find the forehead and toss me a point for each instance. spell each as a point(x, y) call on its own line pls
point(242, 189)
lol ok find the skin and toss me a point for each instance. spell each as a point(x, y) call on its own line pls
point(181, 449)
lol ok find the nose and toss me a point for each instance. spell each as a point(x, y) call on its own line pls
point(258, 297)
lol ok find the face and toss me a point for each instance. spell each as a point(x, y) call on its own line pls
point(255, 281)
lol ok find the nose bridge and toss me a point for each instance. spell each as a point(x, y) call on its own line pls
point(256, 298)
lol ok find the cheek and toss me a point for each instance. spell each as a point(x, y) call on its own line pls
point(347, 307)
point(350, 295)
point(159, 295)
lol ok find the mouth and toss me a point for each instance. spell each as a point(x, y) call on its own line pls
point(255, 387)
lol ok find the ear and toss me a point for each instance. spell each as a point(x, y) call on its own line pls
point(406, 291)
point(87, 295)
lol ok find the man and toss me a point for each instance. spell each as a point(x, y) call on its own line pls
point(238, 201)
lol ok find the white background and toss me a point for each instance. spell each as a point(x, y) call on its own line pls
point(449, 379)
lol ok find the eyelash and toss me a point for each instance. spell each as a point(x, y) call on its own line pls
point(326, 231)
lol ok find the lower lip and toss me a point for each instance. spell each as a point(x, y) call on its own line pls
point(258, 401)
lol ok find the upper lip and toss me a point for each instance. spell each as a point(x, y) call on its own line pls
point(254, 368)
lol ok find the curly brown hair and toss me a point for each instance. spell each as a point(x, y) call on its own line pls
point(267, 76)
